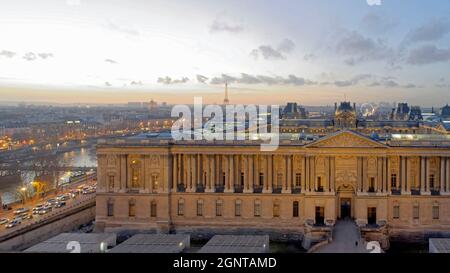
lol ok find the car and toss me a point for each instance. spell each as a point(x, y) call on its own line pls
point(3, 221)
point(21, 210)
point(62, 197)
point(60, 204)
point(13, 223)
point(26, 216)
point(44, 211)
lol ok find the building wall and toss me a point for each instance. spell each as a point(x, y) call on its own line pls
point(317, 175)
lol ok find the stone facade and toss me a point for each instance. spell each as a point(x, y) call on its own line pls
point(234, 187)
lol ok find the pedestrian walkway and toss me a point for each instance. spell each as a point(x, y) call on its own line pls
point(345, 236)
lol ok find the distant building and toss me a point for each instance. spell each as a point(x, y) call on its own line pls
point(293, 111)
point(401, 112)
point(445, 111)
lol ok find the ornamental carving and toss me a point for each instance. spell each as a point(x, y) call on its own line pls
point(346, 178)
point(154, 161)
point(346, 139)
point(111, 160)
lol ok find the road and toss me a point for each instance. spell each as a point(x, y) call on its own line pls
point(32, 203)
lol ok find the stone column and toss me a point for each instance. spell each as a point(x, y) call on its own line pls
point(123, 173)
point(442, 179)
point(226, 170)
point(327, 179)
point(188, 172)
point(364, 173)
point(174, 173)
point(303, 176)
point(422, 175)
point(179, 169)
point(408, 175)
point(332, 173)
point(403, 174)
point(269, 174)
point(427, 177)
point(379, 174)
point(266, 174)
point(231, 173)
point(388, 166)
point(287, 186)
point(447, 176)
point(250, 174)
point(195, 174)
point(199, 179)
point(207, 169)
point(359, 174)
point(237, 172)
point(307, 174)
point(212, 166)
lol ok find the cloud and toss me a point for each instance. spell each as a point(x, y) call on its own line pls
point(114, 27)
point(136, 83)
point(431, 31)
point(110, 61)
point(309, 57)
point(262, 79)
point(7, 53)
point(30, 56)
point(168, 80)
point(353, 81)
point(270, 53)
point(428, 54)
point(377, 23)
point(220, 25)
point(201, 78)
point(108, 84)
point(358, 48)
point(45, 55)
point(390, 82)
point(286, 46)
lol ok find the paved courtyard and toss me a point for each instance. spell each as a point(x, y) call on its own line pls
point(345, 234)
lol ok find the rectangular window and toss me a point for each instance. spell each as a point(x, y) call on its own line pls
point(280, 180)
point(298, 180)
point(319, 184)
point(372, 184)
point(261, 179)
point(257, 209)
point(431, 181)
point(396, 212)
point(180, 208)
point(295, 209)
point(131, 210)
point(394, 181)
point(219, 208)
point(416, 212)
point(153, 211)
point(435, 212)
point(200, 208)
point(237, 208)
point(242, 179)
point(110, 209)
point(154, 183)
point(111, 183)
point(276, 210)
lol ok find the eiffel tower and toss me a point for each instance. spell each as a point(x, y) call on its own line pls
point(225, 100)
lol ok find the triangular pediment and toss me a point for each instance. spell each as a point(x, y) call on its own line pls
point(346, 139)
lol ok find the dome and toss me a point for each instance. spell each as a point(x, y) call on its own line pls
point(344, 107)
point(445, 111)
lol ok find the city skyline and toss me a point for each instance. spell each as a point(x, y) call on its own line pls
point(396, 51)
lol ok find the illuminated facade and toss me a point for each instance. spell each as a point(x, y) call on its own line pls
point(393, 187)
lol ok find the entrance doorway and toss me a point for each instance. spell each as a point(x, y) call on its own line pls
point(372, 216)
point(346, 208)
point(320, 215)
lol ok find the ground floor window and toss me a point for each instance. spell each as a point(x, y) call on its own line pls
point(396, 212)
point(237, 208)
point(416, 212)
point(180, 207)
point(110, 208)
point(257, 208)
point(320, 215)
point(153, 210)
point(276, 209)
point(436, 212)
point(200, 208)
point(132, 208)
point(219, 205)
point(295, 209)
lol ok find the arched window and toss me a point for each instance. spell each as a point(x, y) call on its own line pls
point(237, 208)
point(200, 207)
point(153, 209)
point(181, 207)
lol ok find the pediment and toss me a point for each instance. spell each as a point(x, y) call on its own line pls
point(346, 139)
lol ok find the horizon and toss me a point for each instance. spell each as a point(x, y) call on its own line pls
point(94, 51)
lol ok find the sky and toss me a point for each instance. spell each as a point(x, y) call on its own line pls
point(311, 52)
